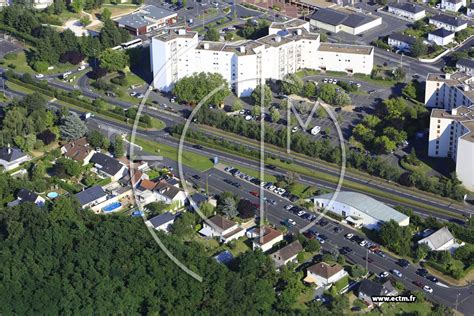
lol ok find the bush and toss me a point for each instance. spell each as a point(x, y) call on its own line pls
point(97, 73)
point(12, 66)
point(120, 80)
point(10, 56)
point(40, 66)
point(72, 57)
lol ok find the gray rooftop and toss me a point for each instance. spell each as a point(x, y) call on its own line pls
point(329, 16)
point(11, 154)
point(90, 195)
point(442, 32)
point(367, 205)
point(465, 62)
point(162, 219)
point(106, 164)
point(147, 15)
point(448, 19)
point(408, 7)
point(403, 38)
point(438, 238)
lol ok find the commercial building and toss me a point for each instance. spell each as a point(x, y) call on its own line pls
point(448, 22)
point(448, 91)
point(146, 19)
point(401, 41)
point(360, 209)
point(441, 37)
point(452, 135)
point(339, 21)
point(452, 5)
point(465, 65)
point(289, 47)
point(407, 10)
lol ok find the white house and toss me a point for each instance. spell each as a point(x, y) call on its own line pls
point(91, 197)
point(170, 194)
point(448, 22)
point(360, 209)
point(470, 10)
point(108, 166)
point(78, 150)
point(335, 21)
point(219, 226)
point(264, 237)
point(452, 135)
point(162, 222)
point(287, 254)
point(407, 10)
point(323, 274)
point(401, 41)
point(440, 240)
point(368, 289)
point(441, 37)
point(11, 158)
point(452, 5)
point(288, 47)
point(465, 65)
point(24, 195)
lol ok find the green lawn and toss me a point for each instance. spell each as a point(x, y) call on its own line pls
point(192, 160)
point(21, 65)
point(417, 308)
point(342, 283)
point(240, 246)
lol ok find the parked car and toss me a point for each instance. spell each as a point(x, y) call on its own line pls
point(403, 263)
point(39, 76)
point(289, 223)
point(428, 289)
point(309, 234)
point(397, 273)
point(349, 236)
point(288, 207)
point(323, 222)
point(422, 272)
point(432, 278)
point(383, 275)
point(418, 283)
point(81, 67)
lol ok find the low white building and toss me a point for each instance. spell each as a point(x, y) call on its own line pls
point(162, 222)
point(361, 209)
point(401, 41)
point(264, 237)
point(338, 21)
point(440, 240)
point(287, 254)
point(24, 195)
point(11, 158)
point(441, 37)
point(448, 91)
point(452, 135)
point(170, 194)
point(465, 65)
point(324, 275)
point(289, 47)
point(470, 10)
point(452, 5)
point(91, 197)
point(407, 10)
point(221, 227)
point(448, 22)
point(108, 166)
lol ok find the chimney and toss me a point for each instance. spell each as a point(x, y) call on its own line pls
point(299, 32)
point(466, 87)
point(242, 49)
point(9, 149)
point(277, 39)
point(181, 32)
point(206, 45)
point(447, 76)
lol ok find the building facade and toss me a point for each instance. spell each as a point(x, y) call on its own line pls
point(465, 65)
point(441, 37)
point(448, 91)
point(401, 41)
point(448, 22)
point(337, 21)
point(452, 5)
point(289, 47)
point(407, 10)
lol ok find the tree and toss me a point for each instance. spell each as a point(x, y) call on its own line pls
point(275, 114)
point(72, 127)
point(309, 89)
point(341, 99)
point(418, 48)
point(394, 237)
point(229, 208)
point(399, 74)
point(291, 84)
point(356, 271)
point(212, 35)
point(257, 95)
point(229, 36)
point(184, 225)
point(421, 251)
point(85, 20)
point(106, 14)
point(199, 86)
point(410, 90)
point(256, 111)
point(98, 140)
point(119, 147)
point(71, 167)
point(156, 208)
point(237, 106)
point(383, 145)
point(312, 245)
point(113, 60)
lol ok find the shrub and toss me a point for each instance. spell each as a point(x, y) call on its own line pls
point(40, 66)
point(10, 56)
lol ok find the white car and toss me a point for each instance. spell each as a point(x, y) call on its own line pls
point(294, 129)
point(383, 275)
point(427, 289)
point(320, 239)
point(335, 81)
point(397, 273)
point(358, 85)
point(291, 222)
point(325, 80)
point(315, 130)
point(82, 67)
point(248, 117)
point(271, 188)
point(172, 100)
point(330, 81)
point(39, 76)
point(363, 243)
point(288, 207)
point(349, 236)
point(242, 112)
point(301, 213)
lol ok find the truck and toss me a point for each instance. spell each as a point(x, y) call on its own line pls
point(315, 130)
point(87, 116)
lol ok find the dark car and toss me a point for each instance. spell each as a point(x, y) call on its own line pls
point(235, 184)
point(197, 177)
point(345, 250)
point(422, 272)
point(418, 283)
point(368, 259)
point(271, 167)
point(403, 263)
point(197, 146)
point(309, 234)
point(337, 229)
point(323, 237)
point(323, 222)
point(432, 278)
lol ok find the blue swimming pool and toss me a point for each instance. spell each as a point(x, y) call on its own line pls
point(112, 207)
point(52, 195)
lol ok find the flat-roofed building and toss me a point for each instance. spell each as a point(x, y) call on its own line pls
point(349, 22)
point(146, 19)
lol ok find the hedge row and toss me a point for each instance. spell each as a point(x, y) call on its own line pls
point(27, 37)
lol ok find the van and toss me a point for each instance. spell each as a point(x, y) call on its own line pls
point(315, 130)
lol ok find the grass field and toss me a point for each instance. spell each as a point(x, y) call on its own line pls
point(192, 160)
point(21, 65)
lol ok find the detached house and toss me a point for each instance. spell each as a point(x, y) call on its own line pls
point(470, 10)
point(78, 150)
point(162, 222)
point(108, 166)
point(323, 274)
point(264, 237)
point(440, 240)
point(407, 10)
point(287, 254)
point(170, 194)
point(401, 41)
point(448, 22)
point(441, 37)
point(368, 289)
point(24, 195)
point(219, 226)
point(11, 158)
point(91, 196)
point(465, 65)
point(452, 5)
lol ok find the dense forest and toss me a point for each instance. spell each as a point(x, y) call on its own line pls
point(57, 260)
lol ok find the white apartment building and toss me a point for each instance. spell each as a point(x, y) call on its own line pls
point(452, 135)
point(407, 10)
point(448, 91)
point(452, 5)
point(290, 46)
